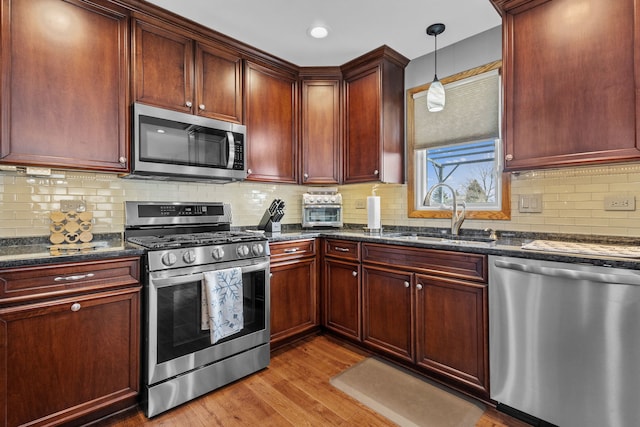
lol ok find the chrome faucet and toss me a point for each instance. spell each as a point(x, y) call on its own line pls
point(457, 217)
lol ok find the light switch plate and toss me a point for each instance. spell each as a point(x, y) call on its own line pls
point(531, 203)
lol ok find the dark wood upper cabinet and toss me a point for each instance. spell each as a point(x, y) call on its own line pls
point(570, 78)
point(163, 70)
point(175, 70)
point(374, 117)
point(271, 117)
point(218, 83)
point(64, 92)
point(321, 126)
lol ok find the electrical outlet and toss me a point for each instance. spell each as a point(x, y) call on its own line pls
point(531, 203)
point(361, 203)
point(619, 202)
point(73, 205)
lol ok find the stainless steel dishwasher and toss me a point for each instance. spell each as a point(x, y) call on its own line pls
point(564, 341)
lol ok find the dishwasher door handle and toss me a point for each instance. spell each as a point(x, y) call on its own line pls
point(622, 279)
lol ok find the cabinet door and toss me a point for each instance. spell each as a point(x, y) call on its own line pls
point(342, 298)
point(362, 127)
point(387, 303)
point(64, 84)
point(62, 359)
point(163, 71)
point(294, 298)
point(451, 328)
point(321, 132)
point(570, 91)
point(272, 150)
point(218, 83)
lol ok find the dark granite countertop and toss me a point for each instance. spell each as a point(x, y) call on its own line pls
point(22, 252)
point(507, 244)
point(16, 252)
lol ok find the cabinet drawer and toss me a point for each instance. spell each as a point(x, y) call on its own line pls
point(443, 263)
point(292, 249)
point(345, 249)
point(21, 284)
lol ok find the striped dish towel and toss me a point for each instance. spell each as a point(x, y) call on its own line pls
point(222, 303)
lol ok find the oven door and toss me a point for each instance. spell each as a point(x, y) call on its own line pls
point(322, 216)
point(176, 342)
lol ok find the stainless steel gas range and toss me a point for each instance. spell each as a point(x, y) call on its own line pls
point(206, 300)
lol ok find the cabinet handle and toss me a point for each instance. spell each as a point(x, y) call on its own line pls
point(354, 273)
point(75, 306)
point(76, 277)
point(509, 157)
point(189, 104)
point(375, 172)
point(201, 106)
point(122, 160)
point(339, 249)
point(419, 286)
point(407, 284)
point(291, 250)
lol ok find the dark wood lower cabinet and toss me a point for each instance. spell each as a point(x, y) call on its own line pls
point(388, 311)
point(342, 298)
point(294, 290)
point(63, 363)
point(70, 360)
point(424, 308)
point(451, 330)
point(293, 299)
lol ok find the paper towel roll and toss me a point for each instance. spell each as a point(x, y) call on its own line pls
point(373, 212)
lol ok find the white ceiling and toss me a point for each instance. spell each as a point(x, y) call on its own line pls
point(279, 27)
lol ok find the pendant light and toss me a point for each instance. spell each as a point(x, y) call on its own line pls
point(435, 95)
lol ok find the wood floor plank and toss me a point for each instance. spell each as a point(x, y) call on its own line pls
point(293, 391)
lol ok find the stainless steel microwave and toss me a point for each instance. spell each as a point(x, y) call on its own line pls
point(177, 146)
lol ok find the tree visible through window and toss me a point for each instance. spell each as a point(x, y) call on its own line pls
point(470, 169)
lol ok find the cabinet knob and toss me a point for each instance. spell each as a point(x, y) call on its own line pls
point(249, 171)
point(122, 160)
point(354, 273)
point(189, 104)
point(376, 172)
point(509, 157)
point(406, 284)
point(305, 176)
point(75, 306)
point(201, 106)
point(419, 286)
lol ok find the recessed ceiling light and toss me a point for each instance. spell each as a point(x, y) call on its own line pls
point(319, 32)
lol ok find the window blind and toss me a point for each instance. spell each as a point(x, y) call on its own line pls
point(471, 113)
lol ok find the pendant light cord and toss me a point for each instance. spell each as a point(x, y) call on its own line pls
point(435, 55)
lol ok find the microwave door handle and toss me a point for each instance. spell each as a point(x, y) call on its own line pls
point(231, 150)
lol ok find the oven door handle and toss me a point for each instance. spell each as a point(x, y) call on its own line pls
point(191, 277)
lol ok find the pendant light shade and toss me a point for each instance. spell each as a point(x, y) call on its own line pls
point(435, 95)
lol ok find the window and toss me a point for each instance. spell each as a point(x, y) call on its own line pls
point(459, 146)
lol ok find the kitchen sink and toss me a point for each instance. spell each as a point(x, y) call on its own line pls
point(445, 240)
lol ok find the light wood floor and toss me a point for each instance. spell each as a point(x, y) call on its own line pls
point(293, 391)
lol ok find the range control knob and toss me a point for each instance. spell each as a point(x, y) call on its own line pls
point(243, 250)
point(169, 259)
point(189, 257)
point(257, 249)
point(217, 253)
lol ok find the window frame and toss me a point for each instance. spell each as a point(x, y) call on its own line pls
point(504, 211)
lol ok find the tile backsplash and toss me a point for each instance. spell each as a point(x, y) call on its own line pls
point(572, 201)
